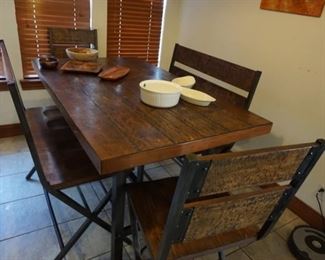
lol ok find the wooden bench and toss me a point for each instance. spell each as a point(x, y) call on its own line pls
point(200, 64)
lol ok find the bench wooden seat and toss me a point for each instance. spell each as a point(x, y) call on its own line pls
point(62, 158)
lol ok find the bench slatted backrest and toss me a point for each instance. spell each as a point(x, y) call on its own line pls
point(238, 76)
point(240, 189)
point(62, 38)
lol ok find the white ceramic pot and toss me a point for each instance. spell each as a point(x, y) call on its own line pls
point(159, 93)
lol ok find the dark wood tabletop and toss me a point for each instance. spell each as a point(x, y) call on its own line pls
point(118, 131)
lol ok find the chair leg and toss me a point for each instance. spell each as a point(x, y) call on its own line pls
point(221, 255)
point(30, 174)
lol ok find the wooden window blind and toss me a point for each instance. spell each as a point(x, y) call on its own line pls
point(133, 28)
point(34, 17)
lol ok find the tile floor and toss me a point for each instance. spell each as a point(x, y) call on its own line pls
point(26, 230)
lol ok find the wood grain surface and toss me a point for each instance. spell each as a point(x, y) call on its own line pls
point(118, 131)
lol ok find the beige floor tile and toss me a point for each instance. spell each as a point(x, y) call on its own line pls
point(15, 187)
point(107, 256)
point(232, 254)
point(13, 145)
point(23, 216)
point(64, 213)
point(15, 163)
point(93, 242)
point(286, 230)
point(158, 173)
point(286, 217)
point(270, 248)
point(41, 244)
point(238, 255)
point(173, 169)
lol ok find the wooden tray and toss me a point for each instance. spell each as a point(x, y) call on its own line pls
point(114, 73)
point(82, 66)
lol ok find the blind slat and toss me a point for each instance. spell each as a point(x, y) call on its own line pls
point(33, 19)
point(134, 28)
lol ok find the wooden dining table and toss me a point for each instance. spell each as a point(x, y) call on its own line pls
point(118, 131)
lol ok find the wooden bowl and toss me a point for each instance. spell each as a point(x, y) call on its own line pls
point(82, 54)
point(48, 62)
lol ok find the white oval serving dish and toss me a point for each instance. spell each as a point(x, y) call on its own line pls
point(159, 93)
point(186, 81)
point(196, 97)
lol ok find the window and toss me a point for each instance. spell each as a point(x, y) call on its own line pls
point(133, 28)
point(35, 16)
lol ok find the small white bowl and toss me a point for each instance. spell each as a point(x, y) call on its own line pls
point(196, 97)
point(159, 93)
point(186, 81)
point(82, 54)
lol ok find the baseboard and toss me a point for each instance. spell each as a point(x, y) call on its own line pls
point(10, 130)
point(306, 213)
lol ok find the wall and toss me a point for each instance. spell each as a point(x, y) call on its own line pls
point(8, 32)
point(290, 51)
point(170, 32)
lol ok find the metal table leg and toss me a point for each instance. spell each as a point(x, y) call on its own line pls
point(118, 205)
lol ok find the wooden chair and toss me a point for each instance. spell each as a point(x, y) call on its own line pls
point(59, 160)
point(219, 201)
point(62, 38)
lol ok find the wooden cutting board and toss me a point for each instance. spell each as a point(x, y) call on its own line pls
point(82, 66)
point(114, 73)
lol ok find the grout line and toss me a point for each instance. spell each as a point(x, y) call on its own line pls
point(275, 229)
point(26, 233)
point(12, 201)
point(98, 255)
point(234, 251)
point(39, 229)
point(14, 174)
point(247, 254)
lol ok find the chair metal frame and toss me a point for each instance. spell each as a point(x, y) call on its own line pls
point(92, 216)
point(189, 185)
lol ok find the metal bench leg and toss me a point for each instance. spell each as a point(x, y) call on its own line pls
point(221, 255)
point(83, 227)
point(54, 221)
point(118, 205)
point(30, 174)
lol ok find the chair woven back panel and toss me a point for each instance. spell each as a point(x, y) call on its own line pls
point(61, 38)
point(214, 219)
point(248, 170)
